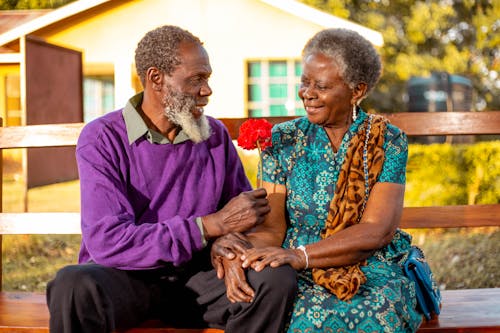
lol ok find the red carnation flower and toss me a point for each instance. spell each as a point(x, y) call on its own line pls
point(255, 133)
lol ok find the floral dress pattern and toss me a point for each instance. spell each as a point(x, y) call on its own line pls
point(302, 159)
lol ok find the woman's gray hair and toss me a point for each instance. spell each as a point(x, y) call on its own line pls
point(160, 48)
point(356, 57)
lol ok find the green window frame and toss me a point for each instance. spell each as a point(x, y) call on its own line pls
point(98, 96)
point(272, 88)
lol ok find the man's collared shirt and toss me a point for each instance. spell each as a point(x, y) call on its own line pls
point(136, 127)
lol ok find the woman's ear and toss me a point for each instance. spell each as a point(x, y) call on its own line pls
point(154, 77)
point(359, 92)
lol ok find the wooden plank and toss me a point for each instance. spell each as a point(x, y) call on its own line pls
point(170, 330)
point(40, 223)
point(447, 123)
point(467, 310)
point(451, 216)
point(417, 123)
point(413, 123)
point(53, 135)
point(413, 217)
point(23, 312)
point(28, 312)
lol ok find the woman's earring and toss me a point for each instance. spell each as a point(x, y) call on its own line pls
point(354, 112)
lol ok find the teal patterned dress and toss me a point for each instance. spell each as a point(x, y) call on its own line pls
point(302, 159)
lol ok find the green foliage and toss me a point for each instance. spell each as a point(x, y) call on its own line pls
point(336, 7)
point(482, 162)
point(458, 37)
point(444, 174)
point(32, 4)
point(434, 176)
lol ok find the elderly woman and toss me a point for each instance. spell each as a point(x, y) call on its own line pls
point(336, 181)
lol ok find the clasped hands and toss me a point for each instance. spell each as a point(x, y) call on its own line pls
point(240, 214)
point(233, 254)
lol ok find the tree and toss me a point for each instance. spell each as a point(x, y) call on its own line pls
point(32, 4)
point(456, 36)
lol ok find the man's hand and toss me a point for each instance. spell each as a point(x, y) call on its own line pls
point(229, 246)
point(237, 288)
point(240, 214)
point(225, 254)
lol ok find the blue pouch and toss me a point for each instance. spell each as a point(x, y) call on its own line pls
point(428, 295)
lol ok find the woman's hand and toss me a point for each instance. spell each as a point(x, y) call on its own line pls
point(229, 246)
point(258, 259)
point(237, 288)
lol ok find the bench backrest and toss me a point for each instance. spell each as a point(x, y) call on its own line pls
point(413, 123)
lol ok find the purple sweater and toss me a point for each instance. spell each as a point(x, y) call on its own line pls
point(140, 201)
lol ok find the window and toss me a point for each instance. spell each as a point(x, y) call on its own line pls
point(98, 96)
point(273, 87)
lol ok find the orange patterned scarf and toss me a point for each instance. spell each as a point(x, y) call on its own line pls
point(359, 172)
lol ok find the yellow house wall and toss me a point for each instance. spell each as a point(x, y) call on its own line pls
point(233, 31)
point(5, 70)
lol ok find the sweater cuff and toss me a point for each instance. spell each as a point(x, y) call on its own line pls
point(200, 226)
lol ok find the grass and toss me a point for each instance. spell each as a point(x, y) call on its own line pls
point(459, 258)
point(30, 261)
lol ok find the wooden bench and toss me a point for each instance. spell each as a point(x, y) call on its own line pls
point(467, 310)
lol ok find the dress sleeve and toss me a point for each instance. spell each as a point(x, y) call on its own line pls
point(271, 159)
point(396, 156)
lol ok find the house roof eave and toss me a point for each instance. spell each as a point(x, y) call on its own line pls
point(293, 7)
point(324, 19)
point(47, 19)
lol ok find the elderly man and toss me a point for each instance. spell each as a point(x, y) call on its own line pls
point(159, 182)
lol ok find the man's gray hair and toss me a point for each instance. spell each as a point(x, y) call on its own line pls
point(160, 48)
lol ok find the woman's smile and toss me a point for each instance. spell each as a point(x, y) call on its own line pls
point(313, 109)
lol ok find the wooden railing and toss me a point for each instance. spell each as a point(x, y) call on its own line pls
point(463, 311)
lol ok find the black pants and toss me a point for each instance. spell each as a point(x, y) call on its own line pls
point(93, 298)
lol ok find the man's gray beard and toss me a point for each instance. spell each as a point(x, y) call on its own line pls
point(178, 111)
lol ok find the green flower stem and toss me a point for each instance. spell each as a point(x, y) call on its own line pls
point(259, 180)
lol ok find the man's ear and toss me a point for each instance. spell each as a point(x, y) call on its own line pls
point(154, 77)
